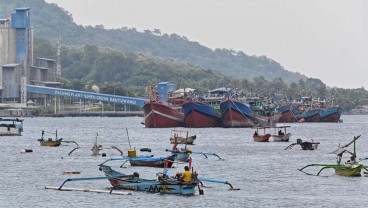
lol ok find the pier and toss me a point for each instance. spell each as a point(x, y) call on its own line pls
point(97, 114)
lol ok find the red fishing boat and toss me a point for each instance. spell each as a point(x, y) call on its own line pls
point(257, 137)
point(198, 114)
point(332, 114)
point(287, 113)
point(236, 114)
point(160, 115)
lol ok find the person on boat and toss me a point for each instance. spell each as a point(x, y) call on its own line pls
point(186, 176)
point(255, 133)
point(352, 160)
point(281, 133)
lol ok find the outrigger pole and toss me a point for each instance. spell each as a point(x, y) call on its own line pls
point(60, 188)
point(198, 153)
point(207, 153)
point(217, 181)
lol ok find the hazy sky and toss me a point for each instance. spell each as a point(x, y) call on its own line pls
point(324, 39)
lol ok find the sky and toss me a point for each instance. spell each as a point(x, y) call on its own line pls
point(324, 39)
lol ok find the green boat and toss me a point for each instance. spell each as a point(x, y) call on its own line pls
point(350, 168)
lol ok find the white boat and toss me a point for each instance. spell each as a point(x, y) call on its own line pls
point(280, 134)
point(11, 127)
point(181, 137)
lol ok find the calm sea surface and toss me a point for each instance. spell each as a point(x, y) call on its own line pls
point(266, 173)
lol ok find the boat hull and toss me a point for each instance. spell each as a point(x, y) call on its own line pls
point(157, 162)
point(11, 127)
point(151, 186)
point(200, 115)
point(349, 171)
point(5, 131)
point(262, 138)
point(287, 114)
point(236, 114)
point(309, 146)
point(281, 138)
point(310, 116)
point(50, 143)
point(331, 114)
point(182, 155)
point(159, 115)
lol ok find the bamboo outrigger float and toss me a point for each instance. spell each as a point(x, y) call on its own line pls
point(350, 168)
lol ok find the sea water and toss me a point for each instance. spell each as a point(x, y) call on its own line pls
point(265, 173)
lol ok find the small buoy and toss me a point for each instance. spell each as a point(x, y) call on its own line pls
point(103, 154)
point(301, 120)
point(145, 150)
point(26, 150)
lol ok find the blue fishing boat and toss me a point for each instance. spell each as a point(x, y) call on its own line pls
point(146, 161)
point(214, 97)
point(310, 116)
point(332, 114)
point(158, 162)
point(163, 184)
point(288, 113)
point(236, 114)
point(198, 114)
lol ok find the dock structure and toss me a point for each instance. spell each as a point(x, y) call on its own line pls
point(86, 95)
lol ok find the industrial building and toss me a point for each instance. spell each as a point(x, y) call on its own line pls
point(18, 66)
point(27, 81)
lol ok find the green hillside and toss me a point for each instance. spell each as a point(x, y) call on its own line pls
point(51, 22)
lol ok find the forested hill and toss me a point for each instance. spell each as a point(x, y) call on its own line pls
point(51, 21)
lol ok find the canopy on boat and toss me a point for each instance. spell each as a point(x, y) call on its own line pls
point(182, 90)
point(219, 90)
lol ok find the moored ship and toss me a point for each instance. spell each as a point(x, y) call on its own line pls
point(160, 115)
point(158, 112)
point(332, 114)
point(198, 114)
point(236, 114)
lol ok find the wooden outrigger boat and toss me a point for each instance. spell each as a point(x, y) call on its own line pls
point(54, 142)
point(181, 137)
point(304, 145)
point(350, 168)
point(281, 136)
point(147, 161)
point(163, 183)
point(50, 142)
point(257, 137)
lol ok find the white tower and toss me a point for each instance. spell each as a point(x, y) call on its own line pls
point(58, 65)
